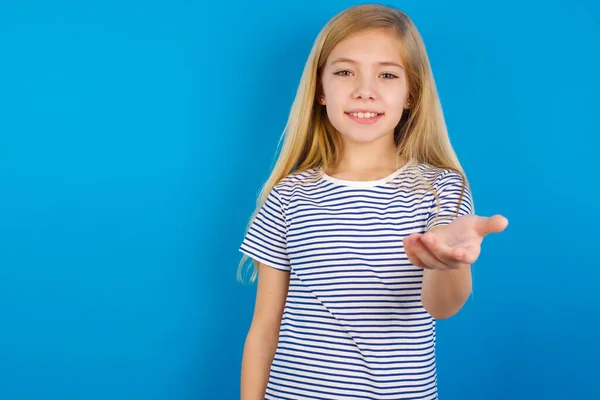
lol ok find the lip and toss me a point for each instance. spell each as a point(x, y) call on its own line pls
point(362, 110)
point(364, 121)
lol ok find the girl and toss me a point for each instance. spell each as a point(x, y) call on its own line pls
point(365, 231)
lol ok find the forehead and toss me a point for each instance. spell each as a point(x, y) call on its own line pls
point(369, 46)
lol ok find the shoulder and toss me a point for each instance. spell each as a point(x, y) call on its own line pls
point(296, 181)
point(438, 176)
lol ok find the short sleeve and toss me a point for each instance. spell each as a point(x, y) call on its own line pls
point(449, 187)
point(265, 240)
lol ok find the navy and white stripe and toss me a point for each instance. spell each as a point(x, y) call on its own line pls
point(353, 325)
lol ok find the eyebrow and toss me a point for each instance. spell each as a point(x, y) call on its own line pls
point(382, 63)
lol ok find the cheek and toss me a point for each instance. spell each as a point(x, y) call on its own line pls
point(336, 92)
point(396, 100)
point(396, 93)
point(335, 103)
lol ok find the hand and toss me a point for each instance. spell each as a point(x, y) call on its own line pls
point(454, 245)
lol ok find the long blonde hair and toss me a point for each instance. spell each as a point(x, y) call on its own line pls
point(310, 141)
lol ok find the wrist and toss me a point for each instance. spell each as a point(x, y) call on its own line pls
point(444, 292)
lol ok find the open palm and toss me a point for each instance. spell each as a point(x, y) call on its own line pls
point(453, 245)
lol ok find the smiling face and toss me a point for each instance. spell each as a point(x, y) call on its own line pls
point(364, 87)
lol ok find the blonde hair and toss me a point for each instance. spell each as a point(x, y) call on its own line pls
point(310, 141)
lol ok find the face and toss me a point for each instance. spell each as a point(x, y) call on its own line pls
point(364, 86)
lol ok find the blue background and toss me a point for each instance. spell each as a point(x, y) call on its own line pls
point(134, 137)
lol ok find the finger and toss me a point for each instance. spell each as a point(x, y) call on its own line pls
point(452, 258)
point(409, 250)
point(487, 225)
point(470, 254)
point(428, 259)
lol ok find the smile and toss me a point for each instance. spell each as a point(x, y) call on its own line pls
point(364, 117)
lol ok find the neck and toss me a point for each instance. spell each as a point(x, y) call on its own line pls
point(368, 160)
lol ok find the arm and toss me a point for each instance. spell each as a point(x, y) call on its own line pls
point(446, 253)
point(445, 291)
point(447, 281)
point(262, 338)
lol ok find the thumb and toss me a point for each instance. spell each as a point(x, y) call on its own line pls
point(487, 225)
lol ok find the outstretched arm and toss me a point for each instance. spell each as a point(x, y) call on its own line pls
point(446, 252)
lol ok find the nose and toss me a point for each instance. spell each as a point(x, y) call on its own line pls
point(364, 89)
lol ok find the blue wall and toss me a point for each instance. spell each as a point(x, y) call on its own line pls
point(134, 137)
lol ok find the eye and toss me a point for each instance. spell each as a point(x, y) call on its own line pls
point(389, 76)
point(343, 73)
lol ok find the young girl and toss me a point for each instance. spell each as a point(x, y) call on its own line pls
point(365, 232)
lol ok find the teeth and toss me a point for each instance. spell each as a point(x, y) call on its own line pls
point(364, 115)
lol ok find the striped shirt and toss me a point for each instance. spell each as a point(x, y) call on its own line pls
point(353, 325)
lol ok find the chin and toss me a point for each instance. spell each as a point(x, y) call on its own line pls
point(363, 137)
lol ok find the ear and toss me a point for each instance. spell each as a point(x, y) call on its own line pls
point(320, 96)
